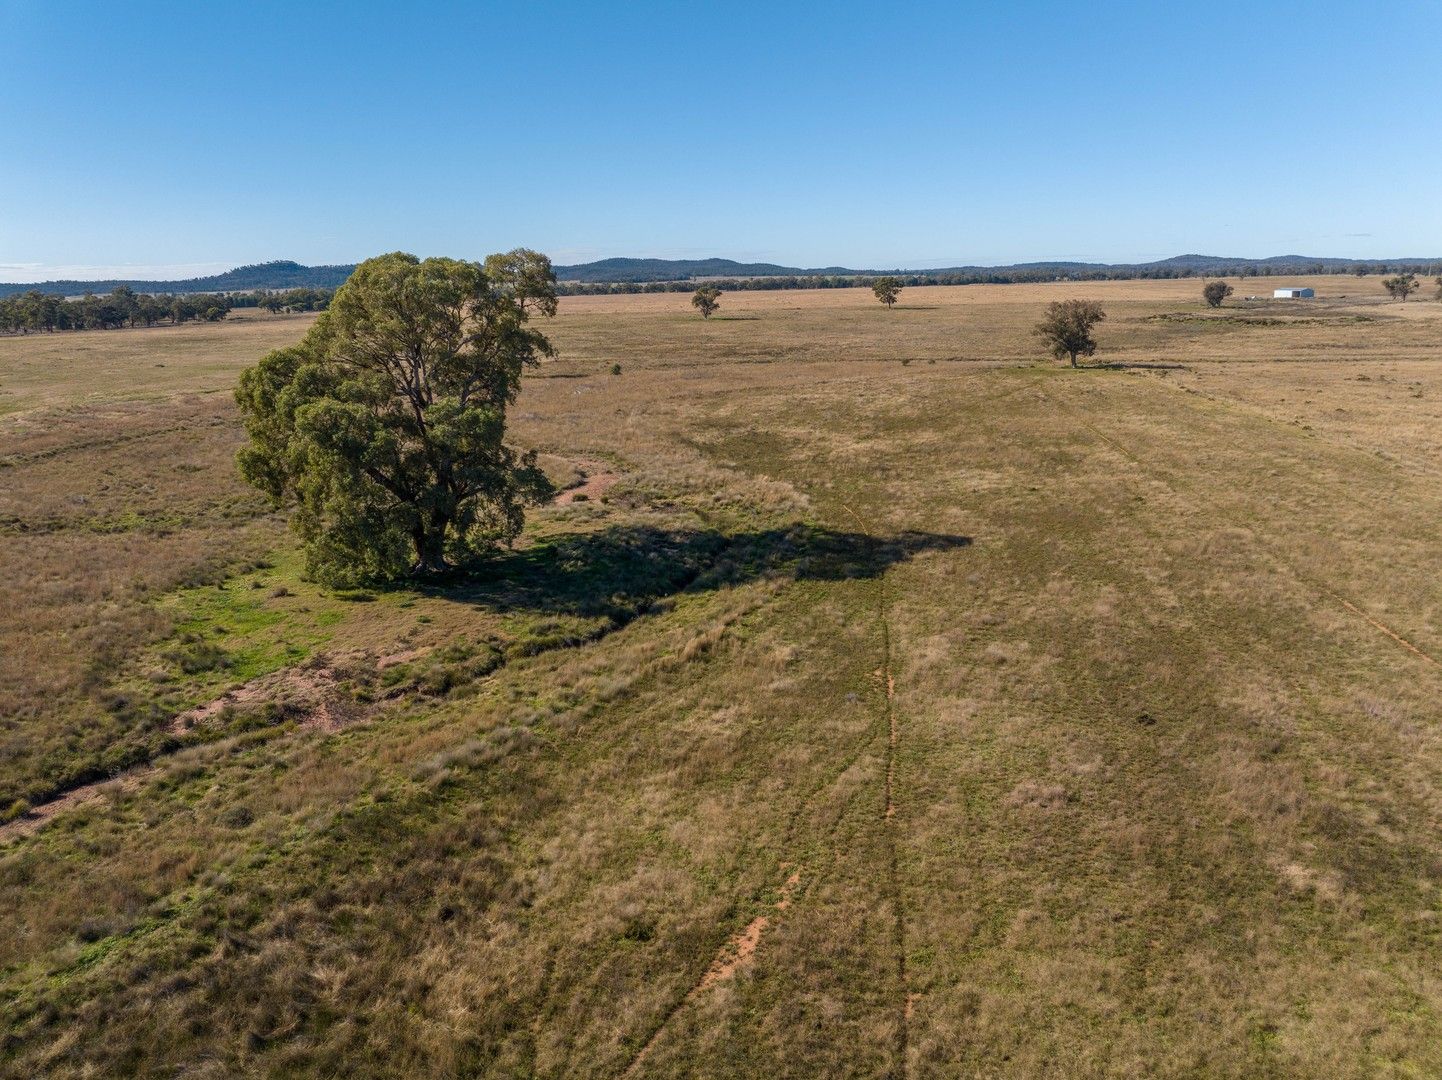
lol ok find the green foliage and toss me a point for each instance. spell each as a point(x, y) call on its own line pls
point(1067, 328)
point(1401, 286)
point(34, 310)
point(887, 290)
point(1215, 292)
point(383, 429)
point(276, 301)
point(706, 300)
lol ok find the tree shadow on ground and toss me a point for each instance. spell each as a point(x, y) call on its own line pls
point(624, 570)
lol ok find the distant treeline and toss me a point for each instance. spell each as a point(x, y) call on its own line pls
point(999, 277)
point(281, 274)
point(122, 307)
point(684, 275)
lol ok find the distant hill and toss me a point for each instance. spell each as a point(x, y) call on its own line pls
point(681, 269)
point(649, 270)
point(1292, 263)
point(283, 274)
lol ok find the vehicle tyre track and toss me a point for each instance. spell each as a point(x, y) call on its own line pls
point(905, 1000)
point(741, 946)
point(721, 966)
point(738, 949)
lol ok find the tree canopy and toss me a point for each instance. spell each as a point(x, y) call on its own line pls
point(887, 290)
point(33, 310)
point(706, 300)
point(1401, 286)
point(1215, 292)
point(1067, 328)
point(383, 430)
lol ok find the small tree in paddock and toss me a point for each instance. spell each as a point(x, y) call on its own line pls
point(383, 429)
point(1439, 288)
point(1067, 328)
point(706, 300)
point(1215, 292)
point(1401, 286)
point(887, 290)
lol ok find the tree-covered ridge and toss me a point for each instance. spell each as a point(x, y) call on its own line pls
point(677, 269)
point(659, 270)
point(661, 275)
point(279, 274)
point(665, 275)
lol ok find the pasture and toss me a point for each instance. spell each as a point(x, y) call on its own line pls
point(896, 703)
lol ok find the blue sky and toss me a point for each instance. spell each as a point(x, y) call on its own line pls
point(180, 138)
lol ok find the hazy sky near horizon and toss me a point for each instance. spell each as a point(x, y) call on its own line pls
point(168, 139)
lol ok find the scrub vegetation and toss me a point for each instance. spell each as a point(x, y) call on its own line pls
point(878, 697)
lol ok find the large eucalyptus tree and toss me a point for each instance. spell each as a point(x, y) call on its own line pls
point(384, 429)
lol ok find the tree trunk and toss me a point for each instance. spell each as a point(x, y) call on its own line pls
point(430, 543)
point(1073, 359)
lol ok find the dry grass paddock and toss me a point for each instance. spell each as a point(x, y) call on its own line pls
point(896, 703)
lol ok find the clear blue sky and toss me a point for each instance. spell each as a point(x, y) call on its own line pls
point(188, 137)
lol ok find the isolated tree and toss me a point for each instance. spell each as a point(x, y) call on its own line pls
point(383, 430)
point(1439, 288)
point(1401, 286)
point(1215, 292)
point(706, 300)
point(1067, 328)
point(887, 290)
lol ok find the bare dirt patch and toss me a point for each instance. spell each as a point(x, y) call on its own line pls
point(310, 693)
point(737, 952)
point(309, 696)
point(743, 947)
point(596, 479)
point(32, 821)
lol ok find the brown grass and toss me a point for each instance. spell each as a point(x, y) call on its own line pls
point(1161, 740)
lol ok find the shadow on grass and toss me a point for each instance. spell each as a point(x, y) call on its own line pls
point(625, 570)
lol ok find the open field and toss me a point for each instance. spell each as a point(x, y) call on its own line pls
point(907, 706)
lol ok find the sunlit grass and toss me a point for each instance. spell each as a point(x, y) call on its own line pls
point(1163, 788)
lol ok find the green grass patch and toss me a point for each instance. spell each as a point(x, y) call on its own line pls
point(249, 625)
